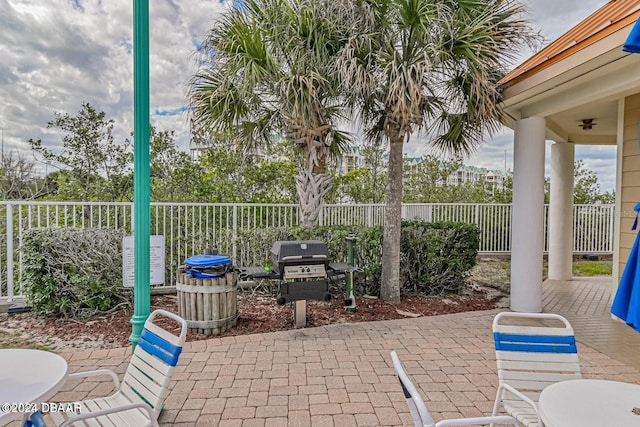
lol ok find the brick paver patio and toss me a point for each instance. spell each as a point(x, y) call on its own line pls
point(338, 375)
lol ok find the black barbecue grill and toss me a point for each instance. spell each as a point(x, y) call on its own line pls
point(301, 259)
point(303, 268)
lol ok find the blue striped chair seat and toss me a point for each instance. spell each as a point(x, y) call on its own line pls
point(530, 355)
point(138, 400)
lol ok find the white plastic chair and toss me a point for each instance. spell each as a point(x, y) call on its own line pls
point(138, 401)
point(529, 358)
point(420, 413)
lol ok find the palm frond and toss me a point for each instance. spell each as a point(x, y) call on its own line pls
point(455, 134)
point(434, 64)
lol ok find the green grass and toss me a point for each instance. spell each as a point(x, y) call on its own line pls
point(592, 268)
point(584, 268)
point(497, 274)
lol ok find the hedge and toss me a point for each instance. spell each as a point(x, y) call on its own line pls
point(77, 273)
point(436, 258)
point(73, 273)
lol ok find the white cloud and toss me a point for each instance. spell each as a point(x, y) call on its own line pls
point(58, 53)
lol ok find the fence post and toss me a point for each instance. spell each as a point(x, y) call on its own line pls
point(611, 215)
point(131, 217)
point(234, 231)
point(9, 252)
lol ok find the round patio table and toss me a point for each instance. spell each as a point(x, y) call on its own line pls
point(590, 403)
point(28, 377)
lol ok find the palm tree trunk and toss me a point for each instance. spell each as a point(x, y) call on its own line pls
point(390, 280)
point(311, 187)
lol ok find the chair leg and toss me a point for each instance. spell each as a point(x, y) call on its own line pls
point(496, 405)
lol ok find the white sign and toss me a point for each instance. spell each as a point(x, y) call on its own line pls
point(156, 261)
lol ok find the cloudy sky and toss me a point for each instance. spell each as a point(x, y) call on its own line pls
point(57, 54)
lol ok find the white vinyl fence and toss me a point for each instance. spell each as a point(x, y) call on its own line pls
point(190, 228)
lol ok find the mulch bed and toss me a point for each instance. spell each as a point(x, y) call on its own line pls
point(257, 314)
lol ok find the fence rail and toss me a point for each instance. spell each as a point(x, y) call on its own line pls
point(190, 228)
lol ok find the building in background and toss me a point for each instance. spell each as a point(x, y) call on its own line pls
point(492, 178)
point(353, 158)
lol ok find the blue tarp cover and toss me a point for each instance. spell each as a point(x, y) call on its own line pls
point(203, 261)
point(626, 304)
point(208, 266)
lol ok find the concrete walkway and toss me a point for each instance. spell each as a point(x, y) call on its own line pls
point(586, 302)
point(340, 375)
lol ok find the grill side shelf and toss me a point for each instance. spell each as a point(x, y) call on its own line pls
point(257, 273)
point(336, 268)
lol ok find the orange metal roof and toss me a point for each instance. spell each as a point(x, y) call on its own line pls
point(603, 22)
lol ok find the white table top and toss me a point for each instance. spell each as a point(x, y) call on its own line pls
point(590, 403)
point(29, 376)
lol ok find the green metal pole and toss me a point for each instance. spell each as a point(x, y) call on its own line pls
point(351, 250)
point(141, 198)
point(350, 303)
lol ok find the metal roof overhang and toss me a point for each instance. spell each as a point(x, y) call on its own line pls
point(586, 84)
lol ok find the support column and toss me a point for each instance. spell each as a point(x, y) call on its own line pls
point(561, 212)
point(527, 222)
point(616, 273)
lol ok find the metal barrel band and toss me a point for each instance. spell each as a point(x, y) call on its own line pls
point(205, 289)
point(209, 324)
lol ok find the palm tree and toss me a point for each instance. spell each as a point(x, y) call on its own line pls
point(430, 66)
point(268, 72)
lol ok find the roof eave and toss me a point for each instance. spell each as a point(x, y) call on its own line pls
point(596, 55)
point(611, 17)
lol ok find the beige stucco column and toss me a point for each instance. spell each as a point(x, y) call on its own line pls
point(561, 211)
point(527, 215)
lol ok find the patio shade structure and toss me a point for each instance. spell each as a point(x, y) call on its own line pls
point(583, 74)
point(626, 304)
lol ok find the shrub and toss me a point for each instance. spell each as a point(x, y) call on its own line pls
point(254, 245)
point(73, 273)
point(436, 258)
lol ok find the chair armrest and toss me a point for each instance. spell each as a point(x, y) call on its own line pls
point(154, 422)
point(525, 398)
point(114, 377)
point(502, 419)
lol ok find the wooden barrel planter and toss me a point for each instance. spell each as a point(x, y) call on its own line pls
point(209, 305)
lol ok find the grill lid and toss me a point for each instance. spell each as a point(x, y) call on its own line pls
point(299, 249)
point(313, 255)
